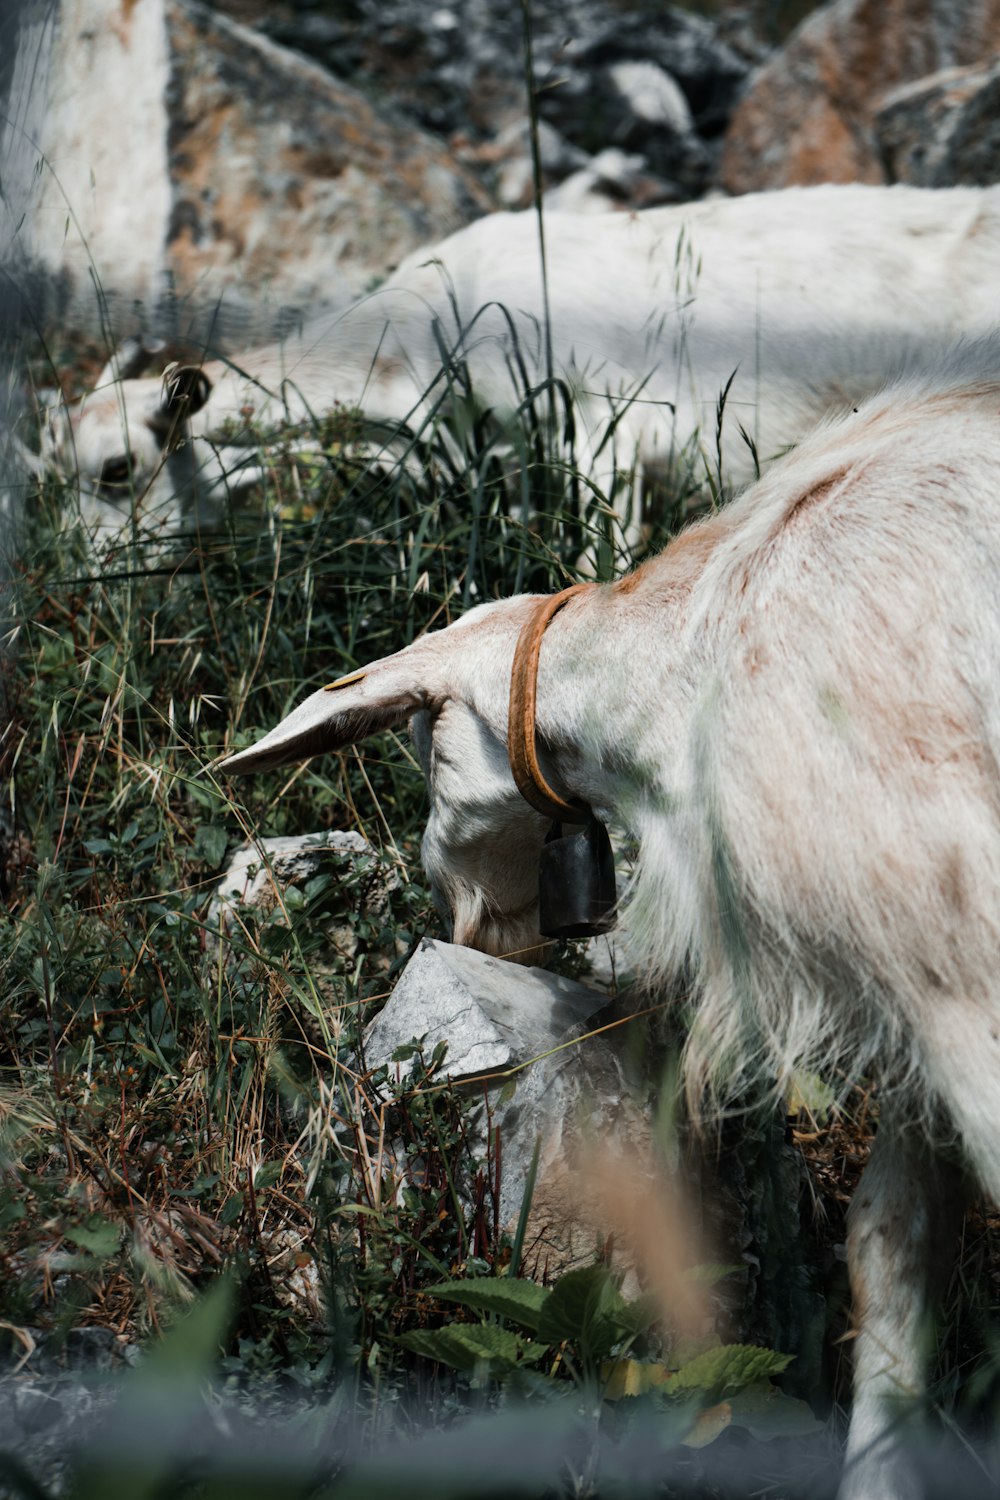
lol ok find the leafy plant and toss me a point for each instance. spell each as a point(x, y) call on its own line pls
point(584, 1330)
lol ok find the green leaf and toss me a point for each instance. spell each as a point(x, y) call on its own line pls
point(768, 1413)
point(730, 1368)
point(192, 1345)
point(510, 1297)
point(585, 1306)
point(99, 1238)
point(232, 1208)
point(12, 1212)
point(210, 844)
point(267, 1173)
point(810, 1094)
point(466, 1346)
point(637, 1317)
point(98, 846)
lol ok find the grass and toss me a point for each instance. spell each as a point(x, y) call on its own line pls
point(124, 680)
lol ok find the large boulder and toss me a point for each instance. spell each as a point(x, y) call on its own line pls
point(809, 114)
point(181, 151)
point(943, 131)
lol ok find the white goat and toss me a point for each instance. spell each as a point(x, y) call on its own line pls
point(812, 296)
point(796, 710)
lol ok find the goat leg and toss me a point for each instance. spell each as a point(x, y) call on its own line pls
point(903, 1229)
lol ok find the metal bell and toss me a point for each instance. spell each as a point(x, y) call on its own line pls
point(576, 882)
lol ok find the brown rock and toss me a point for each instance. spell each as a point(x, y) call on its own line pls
point(944, 130)
point(152, 144)
point(284, 176)
point(809, 113)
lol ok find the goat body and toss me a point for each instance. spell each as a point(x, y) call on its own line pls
point(807, 298)
point(796, 711)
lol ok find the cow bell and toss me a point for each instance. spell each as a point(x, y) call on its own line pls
point(576, 882)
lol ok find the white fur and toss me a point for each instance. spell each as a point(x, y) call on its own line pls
point(812, 296)
point(796, 709)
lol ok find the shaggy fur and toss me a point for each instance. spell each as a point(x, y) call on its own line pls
point(807, 298)
point(796, 710)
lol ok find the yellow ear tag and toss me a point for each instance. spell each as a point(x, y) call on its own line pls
point(331, 687)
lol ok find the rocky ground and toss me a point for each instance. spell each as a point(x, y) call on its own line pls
point(289, 154)
point(651, 82)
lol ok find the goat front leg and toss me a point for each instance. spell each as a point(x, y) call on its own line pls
point(902, 1233)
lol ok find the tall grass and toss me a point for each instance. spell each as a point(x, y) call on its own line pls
point(127, 673)
point(166, 1099)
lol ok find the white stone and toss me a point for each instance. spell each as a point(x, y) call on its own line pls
point(652, 95)
point(257, 873)
point(605, 184)
point(548, 1080)
point(493, 1014)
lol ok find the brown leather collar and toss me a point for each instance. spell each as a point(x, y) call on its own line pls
point(521, 749)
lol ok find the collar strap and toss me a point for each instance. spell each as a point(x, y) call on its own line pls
point(522, 751)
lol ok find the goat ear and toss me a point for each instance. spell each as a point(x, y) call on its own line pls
point(186, 388)
point(349, 710)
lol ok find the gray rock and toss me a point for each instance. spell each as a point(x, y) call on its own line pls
point(687, 47)
point(286, 177)
point(91, 1349)
point(651, 96)
point(292, 858)
point(493, 1014)
point(635, 105)
point(524, 1035)
point(35, 1409)
point(53, 1395)
point(613, 179)
point(257, 874)
point(944, 130)
point(515, 167)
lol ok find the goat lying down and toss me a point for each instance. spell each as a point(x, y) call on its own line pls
point(796, 710)
point(812, 296)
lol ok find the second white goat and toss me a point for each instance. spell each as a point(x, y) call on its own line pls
point(806, 298)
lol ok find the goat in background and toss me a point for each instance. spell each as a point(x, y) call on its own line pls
point(805, 299)
point(796, 711)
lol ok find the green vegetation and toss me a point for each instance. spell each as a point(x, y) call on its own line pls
point(176, 1100)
